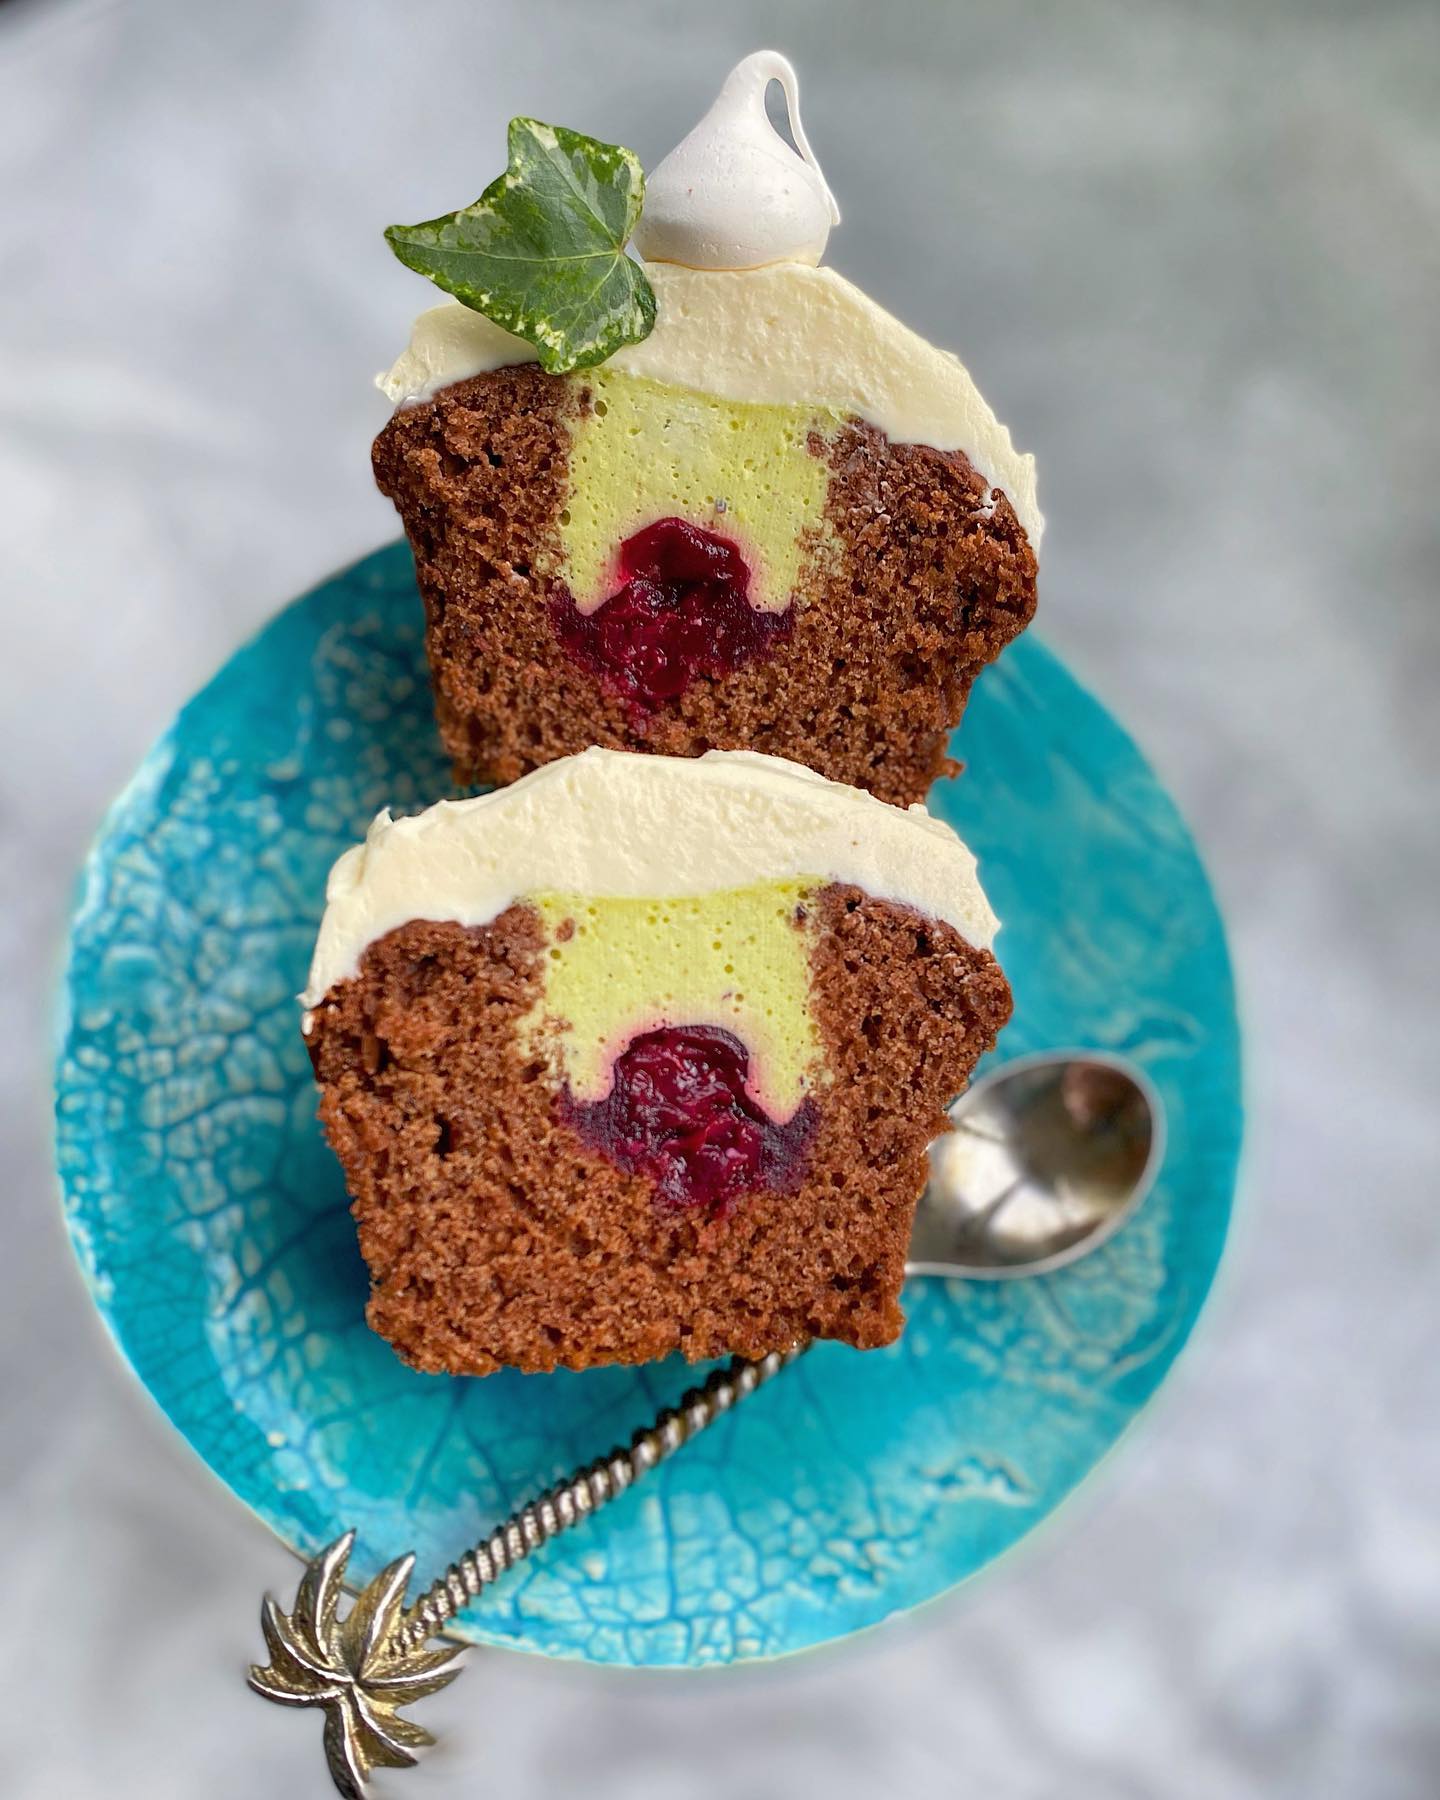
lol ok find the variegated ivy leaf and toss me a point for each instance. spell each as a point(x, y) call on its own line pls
point(542, 251)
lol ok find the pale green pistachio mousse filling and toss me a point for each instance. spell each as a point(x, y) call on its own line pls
point(672, 892)
point(645, 450)
point(737, 959)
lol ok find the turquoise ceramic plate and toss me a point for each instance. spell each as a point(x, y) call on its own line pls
point(211, 1222)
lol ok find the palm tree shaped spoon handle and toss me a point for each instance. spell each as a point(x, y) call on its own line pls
point(364, 1668)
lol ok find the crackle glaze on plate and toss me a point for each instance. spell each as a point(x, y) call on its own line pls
point(211, 1224)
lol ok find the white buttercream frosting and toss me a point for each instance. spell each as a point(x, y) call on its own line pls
point(733, 194)
point(613, 824)
point(786, 334)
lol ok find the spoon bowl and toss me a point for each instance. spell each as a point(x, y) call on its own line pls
point(1046, 1157)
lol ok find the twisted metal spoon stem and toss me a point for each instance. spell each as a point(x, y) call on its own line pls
point(588, 1489)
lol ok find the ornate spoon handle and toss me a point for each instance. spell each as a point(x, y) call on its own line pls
point(364, 1668)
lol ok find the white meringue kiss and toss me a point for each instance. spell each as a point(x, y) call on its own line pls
point(733, 194)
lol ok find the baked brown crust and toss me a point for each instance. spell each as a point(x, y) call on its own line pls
point(935, 578)
point(495, 1236)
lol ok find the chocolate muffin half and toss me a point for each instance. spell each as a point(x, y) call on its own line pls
point(782, 522)
point(644, 1054)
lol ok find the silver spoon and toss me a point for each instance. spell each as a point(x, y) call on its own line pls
point(1047, 1156)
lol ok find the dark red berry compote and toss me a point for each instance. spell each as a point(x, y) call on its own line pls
point(678, 1111)
point(683, 610)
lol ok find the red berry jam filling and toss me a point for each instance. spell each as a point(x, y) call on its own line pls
point(679, 1113)
point(683, 611)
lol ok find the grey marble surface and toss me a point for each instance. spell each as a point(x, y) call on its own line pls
point(1190, 253)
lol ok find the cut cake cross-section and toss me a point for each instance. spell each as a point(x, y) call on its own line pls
point(644, 1054)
